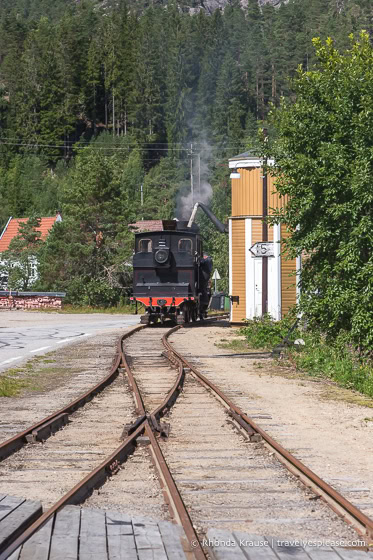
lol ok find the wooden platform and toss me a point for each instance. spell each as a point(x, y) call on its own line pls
point(16, 514)
point(226, 545)
point(88, 534)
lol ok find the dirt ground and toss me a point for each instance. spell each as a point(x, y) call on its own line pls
point(320, 423)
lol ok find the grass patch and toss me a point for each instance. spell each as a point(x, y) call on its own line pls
point(318, 358)
point(128, 309)
point(237, 344)
point(10, 387)
point(321, 359)
point(14, 372)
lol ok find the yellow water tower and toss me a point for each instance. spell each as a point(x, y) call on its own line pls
point(261, 278)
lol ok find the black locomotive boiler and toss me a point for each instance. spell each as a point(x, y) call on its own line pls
point(171, 274)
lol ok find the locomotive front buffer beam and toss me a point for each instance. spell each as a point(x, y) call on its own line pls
point(180, 310)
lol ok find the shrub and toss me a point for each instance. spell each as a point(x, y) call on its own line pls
point(264, 332)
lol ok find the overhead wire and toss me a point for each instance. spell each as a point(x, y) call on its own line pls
point(156, 146)
point(113, 149)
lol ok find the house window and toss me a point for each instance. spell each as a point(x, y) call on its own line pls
point(145, 246)
point(185, 246)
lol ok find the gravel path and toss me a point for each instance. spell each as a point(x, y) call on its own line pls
point(331, 437)
point(58, 378)
point(228, 482)
point(46, 471)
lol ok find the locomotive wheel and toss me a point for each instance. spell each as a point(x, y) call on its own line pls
point(145, 319)
point(180, 319)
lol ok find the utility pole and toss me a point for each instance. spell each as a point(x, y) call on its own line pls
point(142, 195)
point(265, 232)
point(191, 173)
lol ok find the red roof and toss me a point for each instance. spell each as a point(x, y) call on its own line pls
point(146, 225)
point(11, 230)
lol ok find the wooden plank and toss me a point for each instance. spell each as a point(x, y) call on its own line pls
point(67, 522)
point(285, 552)
point(321, 553)
point(92, 538)
point(17, 521)
point(65, 537)
point(37, 546)
point(148, 540)
point(15, 555)
point(92, 523)
point(223, 546)
point(118, 523)
point(351, 554)
point(171, 537)
point(8, 504)
point(254, 546)
point(122, 547)
point(121, 541)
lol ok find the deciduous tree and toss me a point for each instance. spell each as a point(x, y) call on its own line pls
point(324, 163)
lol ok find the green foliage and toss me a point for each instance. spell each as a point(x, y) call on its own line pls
point(337, 361)
point(86, 253)
point(28, 185)
point(324, 163)
point(264, 332)
point(94, 293)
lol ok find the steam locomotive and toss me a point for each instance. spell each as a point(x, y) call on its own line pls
point(171, 274)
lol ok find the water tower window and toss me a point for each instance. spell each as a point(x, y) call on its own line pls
point(145, 246)
point(185, 246)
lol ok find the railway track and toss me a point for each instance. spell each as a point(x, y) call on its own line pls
point(210, 438)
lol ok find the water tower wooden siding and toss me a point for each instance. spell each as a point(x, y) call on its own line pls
point(245, 229)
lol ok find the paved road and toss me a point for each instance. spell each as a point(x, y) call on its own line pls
point(25, 334)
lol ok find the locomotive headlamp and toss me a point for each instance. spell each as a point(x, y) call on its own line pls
point(161, 256)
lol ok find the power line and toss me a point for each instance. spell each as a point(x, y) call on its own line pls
point(94, 148)
point(71, 144)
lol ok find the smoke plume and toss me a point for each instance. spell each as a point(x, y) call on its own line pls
point(202, 188)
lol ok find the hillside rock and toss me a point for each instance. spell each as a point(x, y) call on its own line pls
point(271, 2)
point(211, 5)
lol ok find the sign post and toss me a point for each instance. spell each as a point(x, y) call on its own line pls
point(216, 277)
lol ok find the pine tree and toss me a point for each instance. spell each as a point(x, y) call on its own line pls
point(209, 70)
point(178, 79)
point(229, 108)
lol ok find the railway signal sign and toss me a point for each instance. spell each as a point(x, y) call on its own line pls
point(263, 249)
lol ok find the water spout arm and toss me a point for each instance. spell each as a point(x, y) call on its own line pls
point(217, 223)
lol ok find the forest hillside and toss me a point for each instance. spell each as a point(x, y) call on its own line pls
point(99, 98)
